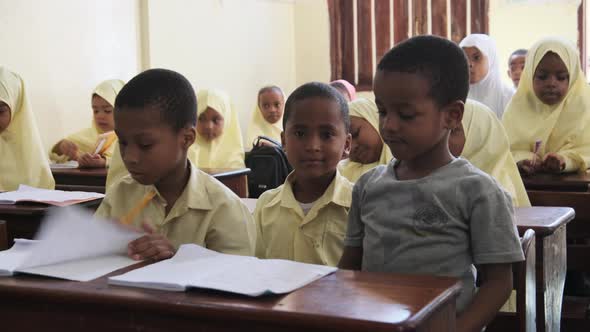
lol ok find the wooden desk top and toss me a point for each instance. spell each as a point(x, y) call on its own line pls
point(558, 182)
point(38, 209)
point(346, 300)
point(542, 219)
point(220, 173)
point(77, 172)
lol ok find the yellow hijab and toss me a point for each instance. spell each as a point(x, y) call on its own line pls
point(86, 139)
point(364, 109)
point(227, 150)
point(562, 128)
point(487, 147)
point(260, 127)
point(22, 157)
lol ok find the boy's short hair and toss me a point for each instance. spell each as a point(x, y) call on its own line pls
point(167, 90)
point(270, 88)
point(518, 52)
point(439, 60)
point(313, 90)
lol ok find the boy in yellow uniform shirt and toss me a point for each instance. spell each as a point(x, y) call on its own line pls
point(305, 219)
point(155, 121)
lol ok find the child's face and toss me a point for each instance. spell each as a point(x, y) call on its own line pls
point(271, 104)
point(457, 141)
point(5, 116)
point(210, 124)
point(150, 148)
point(410, 122)
point(315, 137)
point(103, 113)
point(478, 64)
point(366, 144)
point(551, 79)
point(515, 68)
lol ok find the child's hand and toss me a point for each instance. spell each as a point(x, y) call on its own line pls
point(527, 167)
point(88, 160)
point(553, 163)
point(150, 246)
point(68, 148)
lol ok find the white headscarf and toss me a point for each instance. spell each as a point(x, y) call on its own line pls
point(491, 90)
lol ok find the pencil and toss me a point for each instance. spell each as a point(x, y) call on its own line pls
point(536, 150)
point(129, 217)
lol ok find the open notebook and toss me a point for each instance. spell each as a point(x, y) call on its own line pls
point(67, 165)
point(195, 266)
point(71, 244)
point(52, 197)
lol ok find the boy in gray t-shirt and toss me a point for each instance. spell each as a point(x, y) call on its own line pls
point(427, 212)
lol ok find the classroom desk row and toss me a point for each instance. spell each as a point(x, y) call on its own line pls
point(94, 180)
point(343, 301)
point(549, 224)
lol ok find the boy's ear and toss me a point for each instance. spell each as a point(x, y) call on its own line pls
point(508, 72)
point(454, 112)
point(347, 144)
point(188, 136)
point(283, 142)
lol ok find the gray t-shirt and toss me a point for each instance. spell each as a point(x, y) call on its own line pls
point(440, 225)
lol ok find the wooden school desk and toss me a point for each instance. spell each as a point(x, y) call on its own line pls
point(549, 224)
point(572, 182)
point(94, 179)
point(344, 301)
point(23, 219)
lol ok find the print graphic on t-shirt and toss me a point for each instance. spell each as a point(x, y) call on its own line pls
point(428, 218)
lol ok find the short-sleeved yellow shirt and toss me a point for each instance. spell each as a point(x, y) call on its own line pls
point(206, 213)
point(284, 232)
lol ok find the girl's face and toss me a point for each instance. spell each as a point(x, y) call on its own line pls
point(478, 64)
point(5, 116)
point(551, 79)
point(210, 124)
point(366, 143)
point(272, 105)
point(103, 113)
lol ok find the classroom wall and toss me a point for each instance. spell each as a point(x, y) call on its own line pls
point(235, 45)
point(63, 49)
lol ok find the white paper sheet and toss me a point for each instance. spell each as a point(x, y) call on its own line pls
point(194, 266)
point(31, 194)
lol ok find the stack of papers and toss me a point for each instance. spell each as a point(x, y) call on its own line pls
point(195, 266)
point(71, 244)
point(51, 197)
point(67, 165)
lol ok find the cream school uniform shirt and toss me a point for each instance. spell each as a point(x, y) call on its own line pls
point(284, 231)
point(206, 213)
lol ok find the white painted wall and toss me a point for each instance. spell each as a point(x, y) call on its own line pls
point(235, 45)
point(63, 49)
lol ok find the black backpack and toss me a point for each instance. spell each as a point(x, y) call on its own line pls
point(269, 166)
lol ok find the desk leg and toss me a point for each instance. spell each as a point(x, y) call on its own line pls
point(551, 267)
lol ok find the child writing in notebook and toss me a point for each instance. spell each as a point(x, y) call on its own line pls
point(22, 156)
point(516, 65)
point(164, 193)
point(367, 149)
point(268, 115)
point(548, 119)
point(219, 141)
point(482, 140)
point(93, 147)
point(305, 218)
point(486, 85)
point(427, 212)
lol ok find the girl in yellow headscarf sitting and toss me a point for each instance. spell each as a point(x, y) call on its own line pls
point(267, 118)
point(548, 119)
point(481, 139)
point(367, 149)
point(93, 147)
point(22, 157)
point(219, 140)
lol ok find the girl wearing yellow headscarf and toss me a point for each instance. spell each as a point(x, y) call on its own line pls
point(548, 119)
point(367, 150)
point(22, 158)
point(267, 118)
point(481, 139)
point(82, 145)
point(219, 141)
